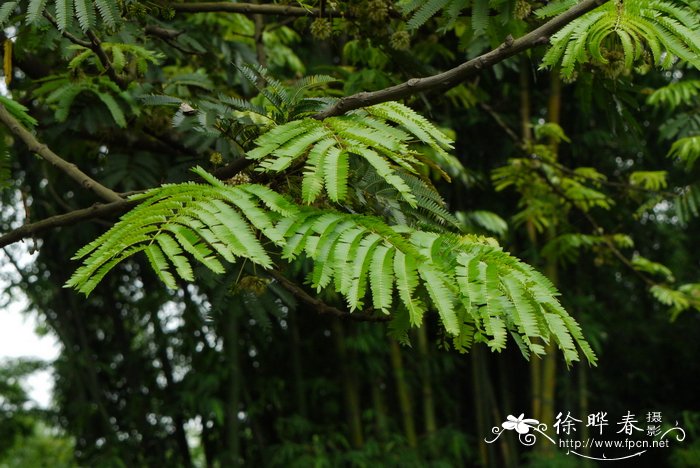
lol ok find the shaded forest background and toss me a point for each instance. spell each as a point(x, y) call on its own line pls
point(239, 370)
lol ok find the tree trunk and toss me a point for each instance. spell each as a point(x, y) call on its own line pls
point(404, 393)
point(426, 387)
point(231, 455)
point(350, 388)
point(178, 419)
point(298, 377)
point(549, 361)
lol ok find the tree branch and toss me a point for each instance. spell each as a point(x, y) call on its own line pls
point(163, 33)
point(251, 8)
point(320, 306)
point(67, 219)
point(96, 47)
point(45, 152)
point(597, 228)
point(456, 75)
point(66, 34)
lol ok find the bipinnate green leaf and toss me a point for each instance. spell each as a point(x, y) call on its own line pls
point(382, 135)
point(479, 292)
point(210, 223)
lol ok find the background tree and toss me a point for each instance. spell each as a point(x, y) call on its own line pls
point(232, 313)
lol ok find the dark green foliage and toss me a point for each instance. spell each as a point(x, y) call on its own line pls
point(619, 35)
point(65, 11)
point(221, 325)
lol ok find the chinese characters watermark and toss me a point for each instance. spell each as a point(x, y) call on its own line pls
point(567, 425)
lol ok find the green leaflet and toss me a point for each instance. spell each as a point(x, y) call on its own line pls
point(436, 284)
point(156, 257)
point(64, 14)
point(6, 10)
point(687, 150)
point(336, 167)
point(85, 12)
point(381, 278)
point(108, 12)
point(425, 12)
point(35, 10)
point(406, 283)
point(360, 269)
point(113, 107)
point(312, 184)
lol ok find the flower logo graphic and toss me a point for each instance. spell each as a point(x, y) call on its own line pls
point(521, 425)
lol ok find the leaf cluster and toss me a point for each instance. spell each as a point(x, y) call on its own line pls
point(621, 34)
point(480, 292)
point(87, 12)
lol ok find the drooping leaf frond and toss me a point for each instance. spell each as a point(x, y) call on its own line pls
point(554, 8)
point(6, 10)
point(209, 222)
point(84, 11)
point(62, 91)
point(426, 11)
point(475, 287)
point(675, 94)
point(687, 150)
point(287, 102)
point(380, 198)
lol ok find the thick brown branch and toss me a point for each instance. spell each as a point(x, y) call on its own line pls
point(163, 33)
point(233, 168)
point(456, 75)
point(320, 306)
point(251, 9)
point(68, 219)
point(45, 152)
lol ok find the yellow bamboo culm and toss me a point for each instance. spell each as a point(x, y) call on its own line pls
point(7, 61)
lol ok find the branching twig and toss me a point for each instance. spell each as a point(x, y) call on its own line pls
point(562, 168)
point(320, 306)
point(501, 123)
point(66, 34)
point(45, 152)
point(96, 47)
point(597, 228)
point(456, 75)
point(252, 9)
point(67, 219)
point(163, 33)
